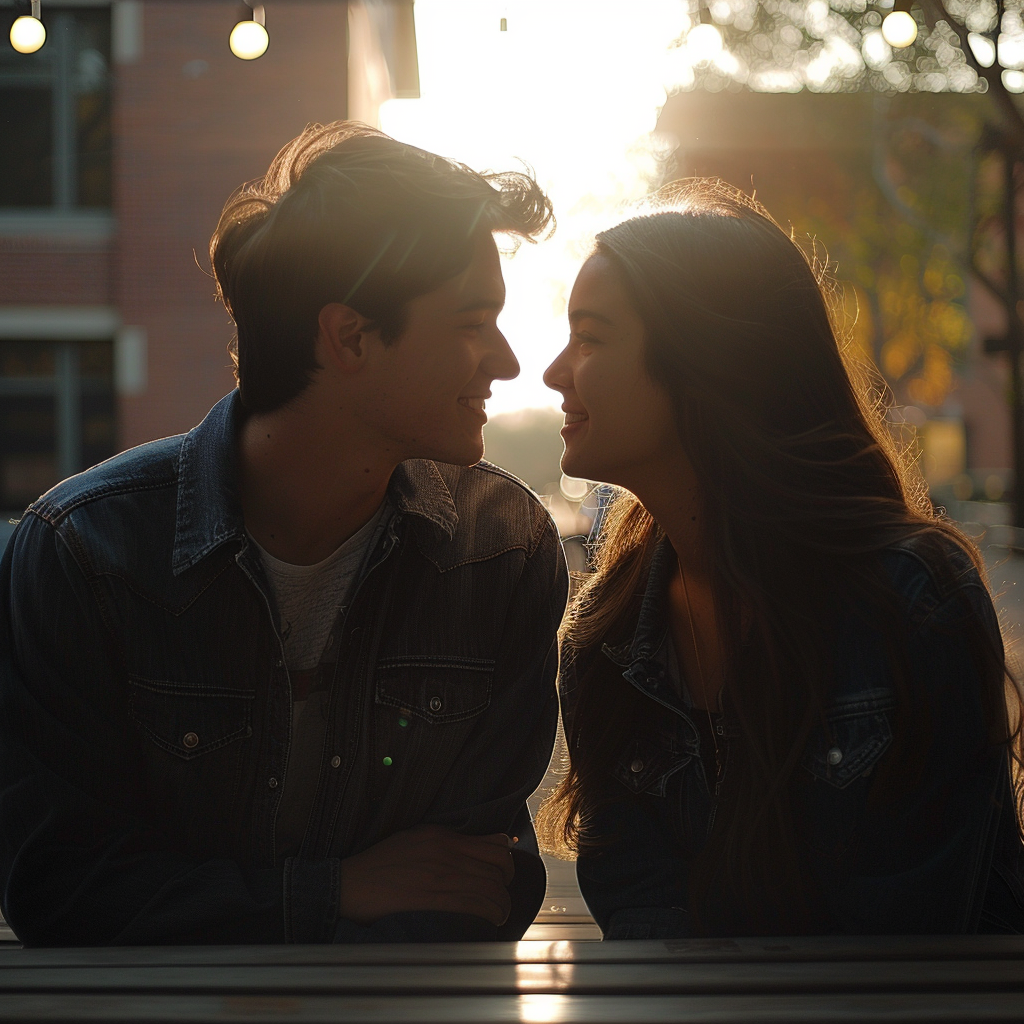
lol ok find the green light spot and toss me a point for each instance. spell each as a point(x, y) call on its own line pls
point(387, 762)
point(403, 722)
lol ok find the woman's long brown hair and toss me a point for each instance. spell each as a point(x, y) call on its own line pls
point(802, 486)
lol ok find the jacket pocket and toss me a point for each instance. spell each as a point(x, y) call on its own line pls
point(426, 708)
point(646, 765)
point(189, 721)
point(435, 689)
point(857, 733)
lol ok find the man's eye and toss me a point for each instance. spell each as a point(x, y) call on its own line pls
point(472, 327)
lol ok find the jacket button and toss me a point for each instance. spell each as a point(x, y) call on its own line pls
point(637, 766)
point(335, 761)
point(272, 783)
point(190, 739)
point(435, 704)
point(835, 755)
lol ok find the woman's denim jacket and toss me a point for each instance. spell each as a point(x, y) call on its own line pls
point(145, 705)
point(949, 861)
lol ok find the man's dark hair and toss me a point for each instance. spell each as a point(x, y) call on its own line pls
point(347, 214)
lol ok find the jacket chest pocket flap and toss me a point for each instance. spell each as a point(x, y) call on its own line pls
point(857, 734)
point(435, 689)
point(189, 721)
point(646, 765)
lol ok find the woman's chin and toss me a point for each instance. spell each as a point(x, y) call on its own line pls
point(574, 466)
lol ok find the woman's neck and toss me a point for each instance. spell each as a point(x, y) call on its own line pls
point(673, 498)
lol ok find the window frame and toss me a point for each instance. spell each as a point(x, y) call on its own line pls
point(64, 207)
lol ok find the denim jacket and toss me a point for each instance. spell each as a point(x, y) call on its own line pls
point(145, 705)
point(948, 860)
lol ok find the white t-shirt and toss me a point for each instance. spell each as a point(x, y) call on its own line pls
point(311, 601)
point(309, 597)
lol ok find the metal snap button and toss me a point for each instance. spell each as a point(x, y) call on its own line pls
point(435, 704)
point(637, 766)
point(190, 739)
point(272, 783)
point(835, 755)
point(335, 761)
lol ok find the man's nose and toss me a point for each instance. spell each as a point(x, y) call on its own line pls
point(501, 361)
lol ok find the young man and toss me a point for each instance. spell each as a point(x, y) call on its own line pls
point(289, 677)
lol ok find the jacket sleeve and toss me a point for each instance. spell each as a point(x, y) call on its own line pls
point(919, 854)
point(78, 862)
point(507, 755)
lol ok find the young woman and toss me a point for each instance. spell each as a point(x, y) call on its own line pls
point(783, 686)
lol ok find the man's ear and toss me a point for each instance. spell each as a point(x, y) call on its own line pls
point(343, 337)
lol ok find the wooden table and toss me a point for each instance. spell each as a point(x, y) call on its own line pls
point(977, 978)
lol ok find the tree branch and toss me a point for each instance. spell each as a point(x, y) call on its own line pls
point(1013, 119)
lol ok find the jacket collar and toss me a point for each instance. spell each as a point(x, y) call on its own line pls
point(209, 510)
point(643, 659)
point(417, 488)
point(651, 623)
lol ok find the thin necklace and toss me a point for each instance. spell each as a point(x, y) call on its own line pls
point(700, 672)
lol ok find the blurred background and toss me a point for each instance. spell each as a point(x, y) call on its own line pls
point(887, 135)
point(124, 132)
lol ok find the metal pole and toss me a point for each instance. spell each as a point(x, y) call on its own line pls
point(69, 410)
point(65, 113)
point(1014, 336)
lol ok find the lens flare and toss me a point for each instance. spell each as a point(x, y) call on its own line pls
point(27, 34)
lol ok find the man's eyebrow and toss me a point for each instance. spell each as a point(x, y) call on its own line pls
point(475, 305)
point(588, 314)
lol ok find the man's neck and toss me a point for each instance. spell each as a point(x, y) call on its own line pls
point(307, 486)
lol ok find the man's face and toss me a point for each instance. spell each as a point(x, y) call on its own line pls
point(429, 385)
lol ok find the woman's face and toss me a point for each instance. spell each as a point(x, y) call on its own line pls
point(619, 426)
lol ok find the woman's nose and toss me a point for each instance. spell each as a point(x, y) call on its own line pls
point(558, 376)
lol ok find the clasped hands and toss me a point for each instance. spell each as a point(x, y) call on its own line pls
point(429, 867)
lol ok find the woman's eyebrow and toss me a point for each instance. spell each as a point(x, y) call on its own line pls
point(588, 314)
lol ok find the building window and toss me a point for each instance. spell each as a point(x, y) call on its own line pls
point(57, 414)
point(55, 112)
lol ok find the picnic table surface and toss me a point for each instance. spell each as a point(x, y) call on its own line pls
point(889, 978)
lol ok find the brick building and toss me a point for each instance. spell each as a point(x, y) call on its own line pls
point(119, 142)
point(797, 151)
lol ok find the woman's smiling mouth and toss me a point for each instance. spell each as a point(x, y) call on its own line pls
point(572, 422)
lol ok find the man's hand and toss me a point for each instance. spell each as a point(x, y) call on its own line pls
point(429, 868)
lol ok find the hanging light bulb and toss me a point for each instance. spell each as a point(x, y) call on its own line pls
point(28, 33)
point(249, 39)
point(704, 41)
point(899, 28)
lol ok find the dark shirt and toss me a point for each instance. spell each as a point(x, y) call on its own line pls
point(145, 704)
